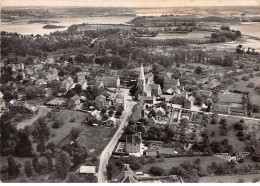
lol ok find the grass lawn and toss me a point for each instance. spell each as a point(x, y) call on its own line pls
point(229, 179)
point(230, 97)
point(94, 139)
point(176, 161)
point(60, 134)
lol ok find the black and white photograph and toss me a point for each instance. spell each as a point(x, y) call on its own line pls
point(130, 91)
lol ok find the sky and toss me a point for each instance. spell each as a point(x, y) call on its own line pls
point(130, 3)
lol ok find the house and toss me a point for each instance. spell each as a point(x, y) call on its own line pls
point(119, 100)
point(110, 82)
point(100, 101)
point(73, 101)
point(133, 143)
point(149, 78)
point(137, 112)
point(187, 104)
point(221, 109)
point(205, 93)
point(153, 90)
point(170, 83)
point(66, 84)
point(87, 170)
point(127, 175)
point(23, 106)
point(50, 60)
point(40, 82)
point(96, 114)
point(110, 122)
point(149, 100)
point(238, 111)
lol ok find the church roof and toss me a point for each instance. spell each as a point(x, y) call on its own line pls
point(141, 76)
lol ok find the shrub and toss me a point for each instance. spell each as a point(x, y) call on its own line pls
point(214, 121)
point(238, 126)
point(161, 159)
point(156, 171)
point(256, 157)
point(72, 120)
point(251, 85)
point(57, 124)
point(245, 78)
point(151, 159)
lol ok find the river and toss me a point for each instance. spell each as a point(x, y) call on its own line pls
point(22, 27)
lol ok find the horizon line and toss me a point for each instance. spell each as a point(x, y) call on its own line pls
point(130, 6)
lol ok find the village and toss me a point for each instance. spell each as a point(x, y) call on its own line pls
point(116, 105)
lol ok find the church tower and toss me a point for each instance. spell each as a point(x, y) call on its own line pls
point(141, 82)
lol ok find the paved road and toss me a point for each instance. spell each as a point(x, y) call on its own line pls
point(102, 174)
point(42, 111)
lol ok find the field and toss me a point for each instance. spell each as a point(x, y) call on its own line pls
point(60, 134)
point(94, 139)
point(230, 179)
point(241, 85)
point(205, 161)
point(201, 36)
point(231, 134)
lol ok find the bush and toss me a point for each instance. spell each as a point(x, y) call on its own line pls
point(214, 121)
point(161, 159)
point(57, 124)
point(256, 157)
point(245, 78)
point(251, 85)
point(72, 120)
point(238, 126)
point(151, 159)
point(157, 171)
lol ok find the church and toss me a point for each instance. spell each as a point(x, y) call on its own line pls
point(146, 87)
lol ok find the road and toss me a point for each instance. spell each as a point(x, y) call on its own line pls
point(42, 111)
point(104, 158)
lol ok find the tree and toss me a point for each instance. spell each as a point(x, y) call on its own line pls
point(13, 169)
point(238, 126)
point(62, 165)
point(23, 146)
point(40, 147)
point(28, 169)
point(78, 88)
point(103, 110)
point(49, 163)
point(36, 164)
point(157, 171)
point(198, 70)
point(111, 112)
point(79, 156)
point(8, 135)
point(41, 132)
point(118, 113)
point(74, 134)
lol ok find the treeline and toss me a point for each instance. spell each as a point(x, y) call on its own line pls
point(20, 45)
point(220, 37)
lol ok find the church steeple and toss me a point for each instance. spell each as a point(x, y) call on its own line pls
point(141, 81)
point(141, 76)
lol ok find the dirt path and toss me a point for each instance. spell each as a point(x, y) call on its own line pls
point(42, 111)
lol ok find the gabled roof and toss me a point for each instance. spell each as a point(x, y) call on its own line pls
point(75, 98)
point(127, 175)
point(135, 139)
point(154, 86)
point(87, 169)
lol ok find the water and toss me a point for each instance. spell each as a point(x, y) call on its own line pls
point(22, 27)
point(250, 28)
